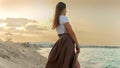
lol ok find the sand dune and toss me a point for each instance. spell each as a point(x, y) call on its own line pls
point(44, 51)
point(14, 55)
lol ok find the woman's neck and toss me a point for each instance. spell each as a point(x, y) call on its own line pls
point(62, 14)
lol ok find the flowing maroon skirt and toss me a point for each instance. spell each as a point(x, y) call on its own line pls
point(63, 55)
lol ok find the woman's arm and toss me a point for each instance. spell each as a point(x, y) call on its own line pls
point(72, 34)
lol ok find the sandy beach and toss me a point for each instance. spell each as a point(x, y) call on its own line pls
point(44, 51)
point(13, 55)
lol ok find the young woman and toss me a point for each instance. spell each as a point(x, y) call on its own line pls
point(63, 54)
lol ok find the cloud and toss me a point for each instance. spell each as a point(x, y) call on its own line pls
point(15, 22)
point(35, 28)
point(22, 24)
point(1, 20)
point(1, 29)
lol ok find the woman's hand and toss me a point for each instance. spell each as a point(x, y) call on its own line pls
point(77, 49)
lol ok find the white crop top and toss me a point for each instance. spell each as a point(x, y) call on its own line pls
point(62, 20)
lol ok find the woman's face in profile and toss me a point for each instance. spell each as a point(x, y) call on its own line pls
point(64, 11)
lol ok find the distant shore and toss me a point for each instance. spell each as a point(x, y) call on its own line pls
point(48, 44)
point(100, 46)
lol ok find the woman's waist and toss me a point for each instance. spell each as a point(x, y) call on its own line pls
point(63, 34)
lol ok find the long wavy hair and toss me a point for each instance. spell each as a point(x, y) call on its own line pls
point(59, 7)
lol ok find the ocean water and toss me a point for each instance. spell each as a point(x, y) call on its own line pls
point(94, 57)
point(99, 58)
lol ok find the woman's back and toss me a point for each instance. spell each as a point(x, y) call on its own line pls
point(61, 28)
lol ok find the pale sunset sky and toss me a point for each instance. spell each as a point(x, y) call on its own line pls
point(94, 21)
